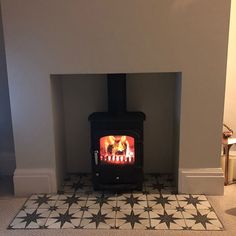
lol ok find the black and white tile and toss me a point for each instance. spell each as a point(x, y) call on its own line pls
point(65, 218)
point(202, 219)
point(132, 201)
point(44, 201)
point(77, 206)
point(30, 219)
point(193, 201)
point(162, 201)
point(101, 200)
point(71, 201)
point(97, 218)
point(167, 219)
point(132, 219)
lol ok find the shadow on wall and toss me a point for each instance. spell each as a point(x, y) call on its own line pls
point(7, 156)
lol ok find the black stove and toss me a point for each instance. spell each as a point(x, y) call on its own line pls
point(117, 141)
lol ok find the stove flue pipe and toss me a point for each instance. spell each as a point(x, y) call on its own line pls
point(116, 86)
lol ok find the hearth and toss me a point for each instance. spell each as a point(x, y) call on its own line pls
point(117, 141)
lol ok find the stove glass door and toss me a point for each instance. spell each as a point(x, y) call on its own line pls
point(117, 150)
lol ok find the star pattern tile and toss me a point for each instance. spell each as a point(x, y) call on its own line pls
point(41, 201)
point(167, 219)
point(71, 201)
point(30, 219)
point(202, 219)
point(132, 219)
point(64, 218)
point(162, 201)
point(101, 200)
point(132, 201)
point(193, 201)
point(98, 218)
point(77, 206)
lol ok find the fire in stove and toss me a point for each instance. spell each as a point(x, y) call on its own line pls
point(117, 150)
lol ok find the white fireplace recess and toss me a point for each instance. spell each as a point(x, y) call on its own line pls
point(44, 38)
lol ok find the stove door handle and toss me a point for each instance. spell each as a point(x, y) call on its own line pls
point(96, 157)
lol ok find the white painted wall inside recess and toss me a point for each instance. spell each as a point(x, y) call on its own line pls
point(83, 94)
point(59, 128)
point(153, 94)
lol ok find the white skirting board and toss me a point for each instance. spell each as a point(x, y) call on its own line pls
point(28, 181)
point(208, 181)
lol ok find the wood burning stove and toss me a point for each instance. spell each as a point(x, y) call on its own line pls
point(117, 141)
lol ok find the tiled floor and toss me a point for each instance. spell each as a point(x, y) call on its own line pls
point(156, 207)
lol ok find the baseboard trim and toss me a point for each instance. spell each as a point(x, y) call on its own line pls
point(29, 181)
point(208, 181)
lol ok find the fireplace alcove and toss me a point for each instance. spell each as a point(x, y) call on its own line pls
point(75, 97)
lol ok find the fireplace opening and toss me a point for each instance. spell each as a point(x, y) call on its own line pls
point(75, 97)
point(117, 141)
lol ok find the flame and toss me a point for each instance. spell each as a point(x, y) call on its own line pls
point(117, 149)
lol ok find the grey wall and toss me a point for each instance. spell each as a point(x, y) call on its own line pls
point(151, 93)
point(79, 37)
point(7, 159)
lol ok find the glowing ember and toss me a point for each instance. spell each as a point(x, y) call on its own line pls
point(117, 150)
